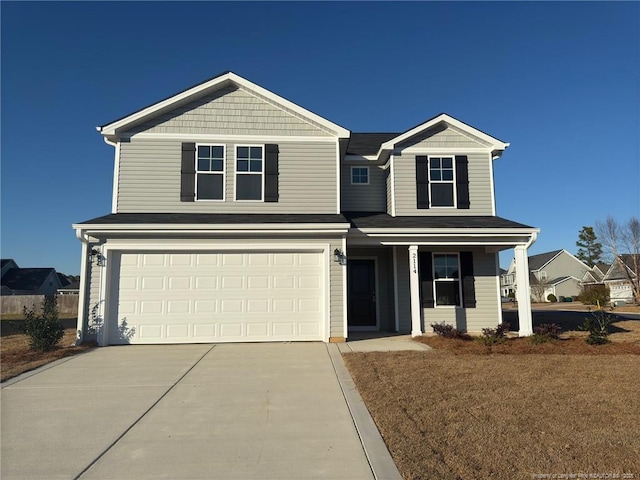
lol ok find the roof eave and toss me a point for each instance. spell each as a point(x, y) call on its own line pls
point(111, 130)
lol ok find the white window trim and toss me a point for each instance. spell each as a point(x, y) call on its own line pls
point(459, 280)
point(236, 173)
point(452, 182)
point(360, 167)
point(223, 173)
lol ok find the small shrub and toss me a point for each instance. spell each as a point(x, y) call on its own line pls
point(594, 295)
point(493, 336)
point(598, 327)
point(545, 333)
point(552, 298)
point(44, 329)
point(446, 331)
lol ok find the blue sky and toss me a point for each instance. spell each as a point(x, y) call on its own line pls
point(559, 81)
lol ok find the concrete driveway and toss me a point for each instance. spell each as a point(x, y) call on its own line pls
point(232, 411)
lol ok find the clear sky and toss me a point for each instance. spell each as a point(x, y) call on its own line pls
point(559, 81)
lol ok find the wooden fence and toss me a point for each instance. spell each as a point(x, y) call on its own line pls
point(67, 304)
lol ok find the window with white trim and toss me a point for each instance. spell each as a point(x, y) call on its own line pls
point(442, 181)
point(210, 172)
point(446, 279)
point(249, 172)
point(360, 175)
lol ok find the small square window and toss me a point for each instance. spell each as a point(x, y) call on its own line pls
point(360, 175)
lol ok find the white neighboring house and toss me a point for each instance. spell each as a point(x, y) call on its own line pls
point(618, 281)
point(558, 272)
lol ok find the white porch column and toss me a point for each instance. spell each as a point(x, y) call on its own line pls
point(523, 291)
point(414, 291)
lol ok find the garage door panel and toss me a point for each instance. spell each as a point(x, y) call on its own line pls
point(219, 296)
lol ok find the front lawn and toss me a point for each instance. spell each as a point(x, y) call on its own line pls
point(469, 416)
point(16, 358)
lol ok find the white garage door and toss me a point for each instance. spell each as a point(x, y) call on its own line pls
point(183, 297)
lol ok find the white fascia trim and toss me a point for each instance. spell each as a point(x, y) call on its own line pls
point(492, 186)
point(116, 177)
point(338, 178)
point(550, 260)
point(197, 137)
point(262, 228)
point(439, 232)
point(214, 84)
point(495, 143)
point(392, 179)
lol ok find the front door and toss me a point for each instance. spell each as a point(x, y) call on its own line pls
point(361, 279)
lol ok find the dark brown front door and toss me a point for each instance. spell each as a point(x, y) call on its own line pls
point(361, 279)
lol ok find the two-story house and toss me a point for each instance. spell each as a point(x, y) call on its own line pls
point(557, 273)
point(240, 216)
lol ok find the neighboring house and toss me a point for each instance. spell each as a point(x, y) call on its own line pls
point(7, 264)
point(619, 281)
point(240, 216)
point(30, 281)
point(595, 275)
point(73, 288)
point(557, 272)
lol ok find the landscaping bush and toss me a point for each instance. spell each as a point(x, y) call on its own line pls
point(493, 336)
point(43, 328)
point(552, 298)
point(446, 331)
point(545, 333)
point(598, 327)
point(594, 295)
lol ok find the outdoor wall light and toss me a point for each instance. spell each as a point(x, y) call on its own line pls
point(339, 257)
point(99, 257)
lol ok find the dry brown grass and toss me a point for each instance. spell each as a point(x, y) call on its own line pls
point(16, 358)
point(446, 416)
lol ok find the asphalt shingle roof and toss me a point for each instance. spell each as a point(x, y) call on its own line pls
point(536, 262)
point(26, 278)
point(367, 143)
point(384, 220)
point(213, 218)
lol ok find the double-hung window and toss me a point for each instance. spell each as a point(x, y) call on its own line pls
point(360, 175)
point(210, 172)
point(446, 279)
point(442, 181)
point(249, 172)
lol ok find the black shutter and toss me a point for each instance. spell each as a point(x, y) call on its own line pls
point(426, 279)
point(422, 181)
point(188, 173)
point(468, 280)
point(271, 172)
point(462, 181)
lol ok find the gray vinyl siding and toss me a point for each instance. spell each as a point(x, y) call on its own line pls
point(363, 198)
point(480, 194)
point(564, 265)
point(569, 288)
point(440, 137)
point(231, 111)
point(486, 313)
point(149, 179)
point(384, 282)
point(428, 143)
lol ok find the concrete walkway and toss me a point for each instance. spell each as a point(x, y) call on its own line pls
point(232, 411)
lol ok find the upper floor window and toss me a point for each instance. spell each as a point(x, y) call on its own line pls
point(210, 172)
point(441, 181)
point(249, 172)
point(360, 175)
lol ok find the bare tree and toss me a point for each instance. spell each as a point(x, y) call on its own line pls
point(539, 287)
point(622, 243)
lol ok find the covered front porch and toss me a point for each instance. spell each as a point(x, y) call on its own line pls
point(404, 281)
